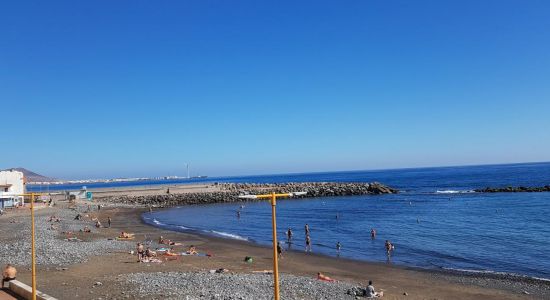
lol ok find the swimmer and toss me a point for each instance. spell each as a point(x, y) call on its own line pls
point(373, 233)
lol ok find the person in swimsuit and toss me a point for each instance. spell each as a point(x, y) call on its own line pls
point(109, 222)
point(192, 250)
point(338, 247)
point(140, 252)
point(289, 234)
point(306, 228)
point(308, 243)
point(373, 233)
point(279, 250)
point(323, 277)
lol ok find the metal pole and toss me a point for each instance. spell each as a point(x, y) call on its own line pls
point(33, 260)
point(275, 255)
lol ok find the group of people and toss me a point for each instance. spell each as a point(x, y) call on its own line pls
point(308, 237)
point(144, 254)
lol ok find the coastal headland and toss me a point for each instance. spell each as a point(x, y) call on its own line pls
point(79, 265)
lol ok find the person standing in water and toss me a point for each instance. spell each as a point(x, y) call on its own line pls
point(373, 233)
point(238, 214)
point(338, 248)
point(306, 228)
point(289, 235)
point(308, 243)
point(389, 247)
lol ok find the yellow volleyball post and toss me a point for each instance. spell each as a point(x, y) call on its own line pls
point(273, 198)
point(275, 254)
point(33, 254)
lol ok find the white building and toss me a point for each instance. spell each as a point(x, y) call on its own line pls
point(12, 187)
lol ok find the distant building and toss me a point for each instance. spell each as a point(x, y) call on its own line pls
point(12, 188)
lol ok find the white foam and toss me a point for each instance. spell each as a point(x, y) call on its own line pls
point(230, 235)
point(157, 222)
point(453, 192)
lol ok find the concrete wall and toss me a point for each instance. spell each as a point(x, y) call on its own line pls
point(24, 291)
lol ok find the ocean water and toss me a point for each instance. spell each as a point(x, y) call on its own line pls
point(437, 222)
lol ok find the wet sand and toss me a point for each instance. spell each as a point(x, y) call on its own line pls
point(77, 281)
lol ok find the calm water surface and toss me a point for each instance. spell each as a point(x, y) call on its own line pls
point(436, 222)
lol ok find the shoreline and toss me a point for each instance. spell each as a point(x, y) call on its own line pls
point(111, 268)
point(441, 270)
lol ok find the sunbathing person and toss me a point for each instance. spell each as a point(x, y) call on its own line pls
point(164, 241)
point(192, 250)
point(323, 277)
point(170, 253)
point(126, 235)
point(150, 253)
point(97, 224)
point(86, 229)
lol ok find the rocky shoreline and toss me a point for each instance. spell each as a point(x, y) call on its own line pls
point(512, 189)
point(229, 192)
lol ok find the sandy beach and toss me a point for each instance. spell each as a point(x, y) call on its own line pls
point(104, 269)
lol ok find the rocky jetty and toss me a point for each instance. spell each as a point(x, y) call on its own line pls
point(229, 192)
point(511, 189)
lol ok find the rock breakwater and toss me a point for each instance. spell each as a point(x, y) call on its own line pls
point(229, 192)
point(511, 189)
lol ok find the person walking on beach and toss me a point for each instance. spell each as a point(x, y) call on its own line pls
point(109, 222)
point(279, 250)
point(308, 243)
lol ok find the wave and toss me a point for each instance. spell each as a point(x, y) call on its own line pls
point(157, 222)
point(454, 192)
point(229, 235)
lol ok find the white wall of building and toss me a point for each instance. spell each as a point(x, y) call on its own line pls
point(12, 185)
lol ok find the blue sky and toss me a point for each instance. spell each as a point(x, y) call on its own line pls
point(140, 88)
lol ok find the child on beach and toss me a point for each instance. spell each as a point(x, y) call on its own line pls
point(9, 274)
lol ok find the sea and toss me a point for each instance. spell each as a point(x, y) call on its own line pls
point(436, 221)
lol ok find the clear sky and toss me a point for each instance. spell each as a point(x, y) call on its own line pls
point(140, 88)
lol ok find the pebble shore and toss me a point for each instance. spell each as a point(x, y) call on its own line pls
point(51, 247)
point(228, 286)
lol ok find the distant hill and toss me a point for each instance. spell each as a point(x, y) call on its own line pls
point(31, 176)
